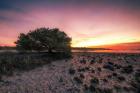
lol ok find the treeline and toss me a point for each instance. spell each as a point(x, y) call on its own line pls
point(7, 48)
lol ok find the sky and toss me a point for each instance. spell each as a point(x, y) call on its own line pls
point(88, 22)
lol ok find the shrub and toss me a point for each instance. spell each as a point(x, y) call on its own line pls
point(121, 78)
point(94, 81)
point(127, 69)
point(137, 76)
point(92, 61)
point(78, 80)
point(82, 76)
point(109, 67)
point(71, 71)
point(114, 74)
point(83, 61)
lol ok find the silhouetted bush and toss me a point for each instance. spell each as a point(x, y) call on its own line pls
point(45, 39)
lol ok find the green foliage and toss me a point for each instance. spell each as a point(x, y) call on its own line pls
point(44, 39)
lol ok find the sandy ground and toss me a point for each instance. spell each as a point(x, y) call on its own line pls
point(84, 73)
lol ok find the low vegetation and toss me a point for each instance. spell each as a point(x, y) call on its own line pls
point(10, 62)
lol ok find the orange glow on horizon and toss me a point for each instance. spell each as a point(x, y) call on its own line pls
point(105, 40)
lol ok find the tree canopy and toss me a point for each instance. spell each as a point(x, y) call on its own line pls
point(44, 39)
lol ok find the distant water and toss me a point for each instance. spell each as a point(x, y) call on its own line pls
point(109, 51)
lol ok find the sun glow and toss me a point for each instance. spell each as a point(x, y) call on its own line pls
point(106, 40)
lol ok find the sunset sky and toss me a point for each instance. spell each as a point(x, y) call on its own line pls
point(88, 22)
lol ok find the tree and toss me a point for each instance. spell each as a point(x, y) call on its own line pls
point(44, 39)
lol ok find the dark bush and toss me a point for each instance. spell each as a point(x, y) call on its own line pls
point(83, 61)
point(100, 60)
point(82, 76)
point(109, 67)
point(117, 66)
point(121, 78)
point(92, 71)
point(110, 63)
point(105, 80)
point(71, 71)
point(92, 88)
point(99, 69)
point(114, 74)
point(137, 76)
point(94, 81)
point(127, 69)
point(81, 70)
point(78, 80)
point(92, 61)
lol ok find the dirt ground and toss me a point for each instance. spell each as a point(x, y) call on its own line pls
point(84, 73)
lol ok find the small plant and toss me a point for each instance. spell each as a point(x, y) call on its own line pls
point(137, 76)
point(109, 76)
point(114, 74)
point(100, 60)
point(83, 61)
point(81, 70)
point(127, 69)
point(78, 80)
point(110, 63)
point(61, 79)
point(89, 89)
point(85, 87)
point(126, 88)
point(87, 68)
point(109, 67)
point(121, 78)
point(107, 90)
point(117, 66)
point(99, 69)
point(92, 88)
point(92, 61)
point(71, 71)
point(92, 71)
point(105, 80)
point(82, 76)
point(117, 88)
point(0, 77)
point(94, 81)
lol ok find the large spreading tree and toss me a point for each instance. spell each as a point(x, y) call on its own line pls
point(44, 39)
